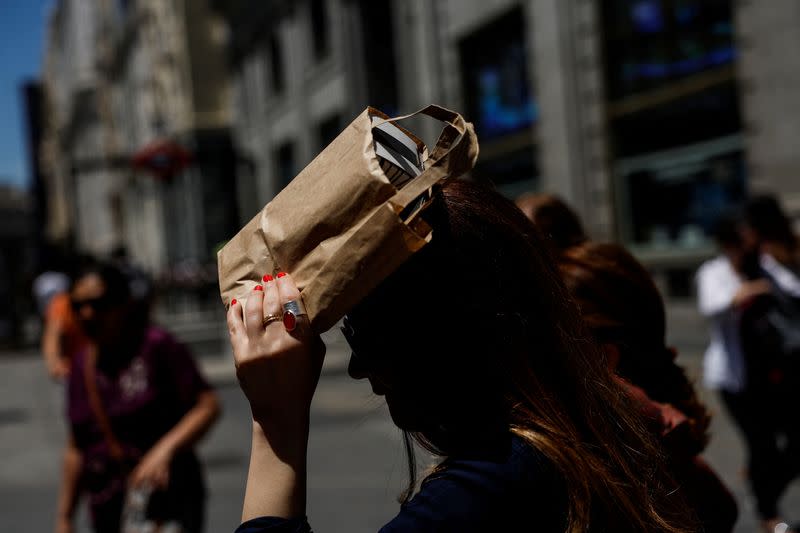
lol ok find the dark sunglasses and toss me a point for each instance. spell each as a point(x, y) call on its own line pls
point(101, 303)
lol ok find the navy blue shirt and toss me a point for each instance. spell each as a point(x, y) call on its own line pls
point(511, 489)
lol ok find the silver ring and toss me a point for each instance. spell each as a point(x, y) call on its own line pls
point(291, 310)
point(295, 307)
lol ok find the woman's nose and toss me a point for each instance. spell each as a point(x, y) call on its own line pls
point(355, 368)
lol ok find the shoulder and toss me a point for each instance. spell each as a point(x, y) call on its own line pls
point(718, 266)
point(158, 335)
point(486, 494)
point(157, 339)
point(160, 345)
point(59, 305)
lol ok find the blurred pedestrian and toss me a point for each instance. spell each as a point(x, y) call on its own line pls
point(47, 285)
point(62, 336)
point(136, 405)
point(769, 341)
point(558, 223)
point(482, 359)
point(766, 223)
point(625, 313)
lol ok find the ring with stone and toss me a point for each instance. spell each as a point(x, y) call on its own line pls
point(291, 310)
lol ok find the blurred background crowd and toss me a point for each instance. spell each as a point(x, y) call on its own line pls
point(154, 129)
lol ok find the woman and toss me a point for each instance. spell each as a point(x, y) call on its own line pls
point(482, 361)
point(136, 405)
point(625, 313)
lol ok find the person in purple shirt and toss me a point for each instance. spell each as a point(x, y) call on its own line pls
point(136, 404)
point(483, 360)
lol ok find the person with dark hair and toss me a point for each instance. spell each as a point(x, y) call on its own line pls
point(136, 404)
point(501, 381)
point(624, 311)
point(557, 222)
point(771, 228)
point(769, 337)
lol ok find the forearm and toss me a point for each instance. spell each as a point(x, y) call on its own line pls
point(70, 481)
point(193, 425)
point(276, 479)
point(51, 348)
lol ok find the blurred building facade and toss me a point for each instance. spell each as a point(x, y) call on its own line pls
point(165, 129)
point(651, 117)
point(137, 147)
point(17, 252)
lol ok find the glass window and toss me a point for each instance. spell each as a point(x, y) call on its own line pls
point(276, 64)
point(285, 167)
point(500, 102)
point(319, 29)
point(671, 199)
point(495, 76)
point(379, 54)
point(652, 42)
point(328, 130)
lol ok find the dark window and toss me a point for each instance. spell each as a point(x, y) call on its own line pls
point(123, 6)
point(684, 120)
point(495, 78)
point(319, 29)
point(328, 130)
point(285, 163)
point(674, 200)
point(276, 64)
point(674, 118)
point(653, 42)
point(499, 100)
point(379, 55)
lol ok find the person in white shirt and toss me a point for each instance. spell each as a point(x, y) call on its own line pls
point(726, 285)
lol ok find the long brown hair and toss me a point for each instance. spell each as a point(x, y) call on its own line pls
point(622, 306)
point(483, 337)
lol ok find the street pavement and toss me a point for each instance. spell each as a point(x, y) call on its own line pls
point(356, 462)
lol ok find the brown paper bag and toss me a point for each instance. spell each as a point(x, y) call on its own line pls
point(340, 227)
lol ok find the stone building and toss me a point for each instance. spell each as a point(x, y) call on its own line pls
point(137, 149)
point(298, 79)
point(16, 263)
point(651, 117)
point(75, 160)
point(170, 101)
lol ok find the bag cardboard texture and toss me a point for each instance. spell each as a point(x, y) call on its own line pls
point(337, 227)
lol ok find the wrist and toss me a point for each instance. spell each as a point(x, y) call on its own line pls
point(289, 441)
point(295, 430)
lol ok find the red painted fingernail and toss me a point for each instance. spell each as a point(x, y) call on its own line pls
point(233, 302)
point(281, 274)
point(267, 278)
point(258, 288)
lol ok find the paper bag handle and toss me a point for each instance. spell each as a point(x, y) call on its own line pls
point(434, 111)
point(466, 141)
